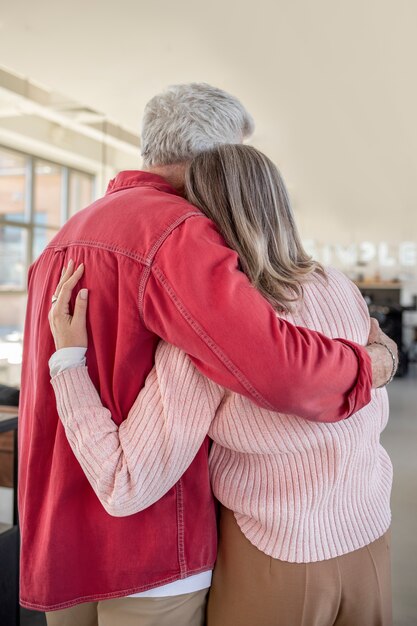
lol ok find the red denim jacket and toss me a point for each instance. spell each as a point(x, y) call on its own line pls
point(155, 267)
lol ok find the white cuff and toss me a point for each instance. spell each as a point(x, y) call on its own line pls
point(66, 358)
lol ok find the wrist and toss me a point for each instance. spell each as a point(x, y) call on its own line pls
point(66, 343)
point(393, 363)
point(66, 358)
point(383, 364)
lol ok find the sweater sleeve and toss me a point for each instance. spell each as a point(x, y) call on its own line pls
point(132, 466)
point(196, 298)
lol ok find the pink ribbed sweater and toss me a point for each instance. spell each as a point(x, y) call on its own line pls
point(300, 491)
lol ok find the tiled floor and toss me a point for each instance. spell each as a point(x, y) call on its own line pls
point(400, 440)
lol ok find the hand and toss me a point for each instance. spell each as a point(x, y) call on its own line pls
point(380, 357)
point(69, 330)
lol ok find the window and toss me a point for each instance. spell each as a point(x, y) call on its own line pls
point(48, 190)
point(36, 198)
point(13, 257)
point(81, 190)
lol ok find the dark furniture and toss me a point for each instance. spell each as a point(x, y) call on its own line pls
point(9, 537)
point(384, 303)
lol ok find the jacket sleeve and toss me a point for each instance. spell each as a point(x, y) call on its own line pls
point(196, 298)
point(133, 465)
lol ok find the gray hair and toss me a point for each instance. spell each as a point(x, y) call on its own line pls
point(186, 120)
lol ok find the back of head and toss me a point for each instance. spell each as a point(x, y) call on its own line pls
point(242, 191)
point(186, 120)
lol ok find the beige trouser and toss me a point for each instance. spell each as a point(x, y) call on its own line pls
point(185, 610)
point(252, 589)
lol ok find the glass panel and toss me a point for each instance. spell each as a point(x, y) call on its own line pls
point(12, 185)
point(41, 238)
point(48, 195)
point(12, 258)
point(80, 191)
point(12, 315)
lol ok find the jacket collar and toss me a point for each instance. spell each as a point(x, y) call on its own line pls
point(137, 178)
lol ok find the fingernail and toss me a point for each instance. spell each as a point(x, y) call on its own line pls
point(83, 294)
point(80, 266)
point(70, 263)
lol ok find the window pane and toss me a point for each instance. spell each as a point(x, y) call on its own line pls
point(12, 185)
point(12, 314)
point(41, 238)
point(80, 191)
point(48, 194)
point(12, 258)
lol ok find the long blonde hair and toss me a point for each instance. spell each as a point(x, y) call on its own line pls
point(242, 191)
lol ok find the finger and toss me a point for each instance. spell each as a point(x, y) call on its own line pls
point(374, 324)
point(64, 297)
point(66, 273)
point(79, 318)
point(374, 330)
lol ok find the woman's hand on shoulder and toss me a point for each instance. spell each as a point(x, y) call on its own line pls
point(69, 330)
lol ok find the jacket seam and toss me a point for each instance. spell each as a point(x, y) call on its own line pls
point(180, 524)
point(150, 257)
point(99, 244)
point(208, 340)
point(134, 185)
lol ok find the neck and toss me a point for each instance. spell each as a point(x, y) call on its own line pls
point(173, 174)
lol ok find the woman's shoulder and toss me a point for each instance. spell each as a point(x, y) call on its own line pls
point(335, 274)
point(341, 281)
point(334, 280)
point(333, 304)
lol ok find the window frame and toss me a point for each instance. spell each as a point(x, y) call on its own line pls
point(29, 224)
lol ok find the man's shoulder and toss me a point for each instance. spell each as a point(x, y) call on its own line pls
point(153, 205)
point(137, 219)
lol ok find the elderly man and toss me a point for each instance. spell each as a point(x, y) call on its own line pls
point(158, 269)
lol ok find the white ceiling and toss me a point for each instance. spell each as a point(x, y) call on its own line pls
point(331, 85)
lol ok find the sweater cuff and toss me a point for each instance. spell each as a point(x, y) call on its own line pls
point(360, 394)
point(66, 357)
